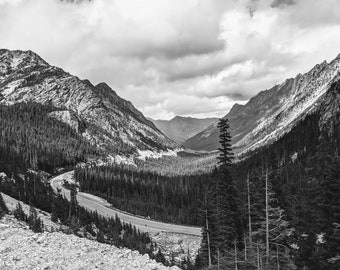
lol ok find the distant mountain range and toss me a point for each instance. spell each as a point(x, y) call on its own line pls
point(179, 128)
point(273, 112)
point(108, 121)
point(114, 124)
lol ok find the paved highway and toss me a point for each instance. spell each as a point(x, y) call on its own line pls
point(94, 203)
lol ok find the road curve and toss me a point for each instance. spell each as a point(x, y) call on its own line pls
point(94, 203)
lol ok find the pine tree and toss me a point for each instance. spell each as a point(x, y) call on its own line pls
point(330, 205)
point(226, 155)
point(19, 213)
point(73, 210)
point(3, 207)
point(226, 213)
point(206, 210)
point(34, 221)
point(274, 231)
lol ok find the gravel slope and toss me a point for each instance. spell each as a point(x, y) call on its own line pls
point(20, 248)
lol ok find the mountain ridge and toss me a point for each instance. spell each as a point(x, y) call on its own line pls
point(112, 123)
point(180, 128)
point(272, 112)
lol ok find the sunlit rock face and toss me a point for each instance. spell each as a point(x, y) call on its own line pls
point(272, 113)
point(106, 119)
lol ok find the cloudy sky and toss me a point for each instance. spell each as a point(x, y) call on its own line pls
point(177, 57)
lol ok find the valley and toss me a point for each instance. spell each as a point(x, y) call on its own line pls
point(170, 135)
point(103, 208)
point(101, 170)
point(179, 129)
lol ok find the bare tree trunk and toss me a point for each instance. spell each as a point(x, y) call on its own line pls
point(207, 228)
point(235, 246)
point(218, 258)
point(249, 212)
point(267, 220)
point(245, 247)
point(258, 255)
point(277, 257)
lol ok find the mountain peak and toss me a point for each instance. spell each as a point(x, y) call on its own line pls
point(104, 87)
point(112, 122)
point(19, 56)
point(180, 128)
point(178, 117)
point(236, 107)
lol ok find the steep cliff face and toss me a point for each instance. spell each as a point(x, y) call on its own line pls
point(273, 112)
point(109, 121)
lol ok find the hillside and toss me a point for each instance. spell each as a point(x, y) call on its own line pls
point(179, 128)
point(42, 250)
point(107, 120)
point(273, 112)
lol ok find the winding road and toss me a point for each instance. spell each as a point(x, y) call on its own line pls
point(103, 208)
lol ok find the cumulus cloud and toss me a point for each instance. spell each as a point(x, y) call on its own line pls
point(174, 57)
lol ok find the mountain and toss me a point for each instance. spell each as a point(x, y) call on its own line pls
point(272, 113)
point(106, 120)
point(179, 128)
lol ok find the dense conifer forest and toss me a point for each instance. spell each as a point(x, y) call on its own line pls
point(277, 209)
point(183, 164)
point(33, 190)
point(289, 203)
point(282, 208)
point(32, 139)
point(166, 198)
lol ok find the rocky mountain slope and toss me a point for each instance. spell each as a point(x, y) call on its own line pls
point(23, 249)
point(272, 112)
point(179, 128)
point(97, 112)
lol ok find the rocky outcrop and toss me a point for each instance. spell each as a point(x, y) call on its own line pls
point(273, 112)
point(109, 121)
point(177, 246)
point(23, 249)
point(67, 117)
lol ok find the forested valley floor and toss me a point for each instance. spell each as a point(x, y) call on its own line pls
point(296, 179)
point(282, 211)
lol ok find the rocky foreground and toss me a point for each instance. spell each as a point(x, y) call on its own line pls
point(20, 248)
